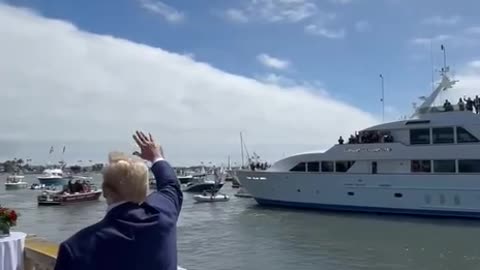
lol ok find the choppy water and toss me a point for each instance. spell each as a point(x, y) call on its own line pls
point(240, 235)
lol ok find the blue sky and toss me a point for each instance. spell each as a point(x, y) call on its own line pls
point(377, 38)
point(285, 72)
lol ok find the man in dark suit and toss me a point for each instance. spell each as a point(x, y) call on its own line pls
point(139, 231)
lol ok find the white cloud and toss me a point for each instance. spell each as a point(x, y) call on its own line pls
point(441, 20)
point(236, 15)
point(272, 62)
point(283, 81)
point(424, 41)
point(167, 12)
point(274, 11)
point(474, 64)
point(473, 30)
point(342, 2)
point(362, 26)
point(91, 91)
point(320, 30)
point(468, 76)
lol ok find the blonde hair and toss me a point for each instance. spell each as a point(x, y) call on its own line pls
point(126, 177)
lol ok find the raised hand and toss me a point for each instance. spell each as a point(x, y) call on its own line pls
point(149, 150)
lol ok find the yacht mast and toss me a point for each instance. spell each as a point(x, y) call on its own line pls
point(383, 98)
point(241, 147)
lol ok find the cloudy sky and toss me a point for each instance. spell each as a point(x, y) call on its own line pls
point(292, 75)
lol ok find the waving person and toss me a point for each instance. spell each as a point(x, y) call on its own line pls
point(138, 231)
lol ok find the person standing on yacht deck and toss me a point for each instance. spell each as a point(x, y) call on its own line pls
point(469, 104)
point(476, 104)
point(461, 105)
point(138, 231)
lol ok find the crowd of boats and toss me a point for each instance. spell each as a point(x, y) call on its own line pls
point(58, 188)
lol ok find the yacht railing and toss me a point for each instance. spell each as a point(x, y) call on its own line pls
point(41, 254)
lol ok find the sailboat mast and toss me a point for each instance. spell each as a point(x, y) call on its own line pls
point(241, 149)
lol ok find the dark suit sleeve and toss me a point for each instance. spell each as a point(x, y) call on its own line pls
point(64, 258)
point(168, 196)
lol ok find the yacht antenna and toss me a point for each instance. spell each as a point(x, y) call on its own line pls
point(433, 68)
point(383, 98)
point(444, 69)
point(241, 146)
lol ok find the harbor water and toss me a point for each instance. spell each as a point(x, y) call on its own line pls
point(241, 235)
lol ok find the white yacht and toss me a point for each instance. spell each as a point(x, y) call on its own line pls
point(51, 177)
point(428, 165)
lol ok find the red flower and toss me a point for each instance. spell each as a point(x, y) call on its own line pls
point(13, 216)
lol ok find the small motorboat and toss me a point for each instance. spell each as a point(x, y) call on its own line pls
point(185, 179)
point(61, 198)
point(15, 182)
point(228, 177)
point(203, 183)
point(242, 193)
point(36, 186)
point(215, 197)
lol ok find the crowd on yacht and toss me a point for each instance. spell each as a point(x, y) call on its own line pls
point(259, 166)
point(368, 137)
point(467, 104)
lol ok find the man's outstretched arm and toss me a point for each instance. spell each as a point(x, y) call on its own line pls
point(167, 185)
point(168, 196)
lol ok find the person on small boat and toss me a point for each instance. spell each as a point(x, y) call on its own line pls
point(70, 186)
point(138, 231)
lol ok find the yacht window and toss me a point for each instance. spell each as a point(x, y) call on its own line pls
point(443, 135)
point(300, 167)
point(374, 167)
point(469, 166)
point(413, 122)
point(463, 136)
point(421, 166)
point(313, 166)
point(327, 166)
point(420, 136)
point(343, 166)
point(444, 166)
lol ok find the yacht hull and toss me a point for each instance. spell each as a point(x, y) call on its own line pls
point(418, 194)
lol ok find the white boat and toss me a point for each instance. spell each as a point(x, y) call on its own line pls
point(36, 186)
point(202, 183)
point(185, 179)
point(15, 182)
point(211, 197)
point(51, 177)
point(427, 165)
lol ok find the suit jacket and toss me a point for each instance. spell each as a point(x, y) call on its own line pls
point(131, 236)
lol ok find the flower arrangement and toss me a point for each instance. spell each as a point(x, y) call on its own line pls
point(8, 219)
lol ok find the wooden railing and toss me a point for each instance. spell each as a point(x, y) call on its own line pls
point(41, 254)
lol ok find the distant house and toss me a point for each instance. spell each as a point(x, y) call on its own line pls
point(2, 168)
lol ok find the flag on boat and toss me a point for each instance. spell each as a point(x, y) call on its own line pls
point(442, 47)
point(51, 149)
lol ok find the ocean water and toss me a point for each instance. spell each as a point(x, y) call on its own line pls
point(239, 234)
